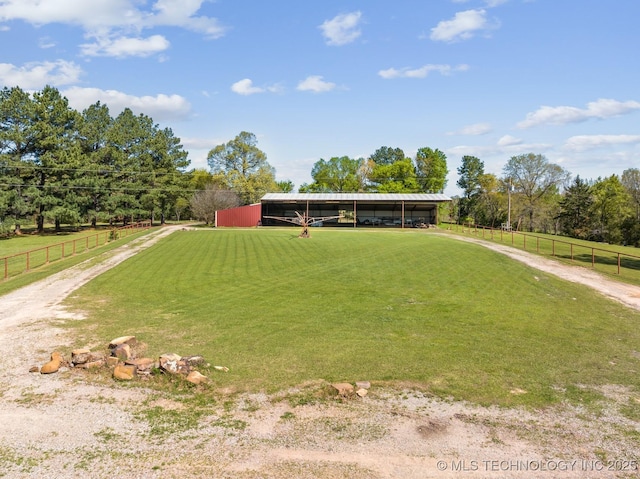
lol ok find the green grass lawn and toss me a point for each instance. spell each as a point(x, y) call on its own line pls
point(392, 307)
point(602, 257)
point(88, 245)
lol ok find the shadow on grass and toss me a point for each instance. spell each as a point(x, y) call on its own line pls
point(625, 262)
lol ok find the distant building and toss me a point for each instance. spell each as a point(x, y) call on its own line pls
point(357, 209)
point(240, 217)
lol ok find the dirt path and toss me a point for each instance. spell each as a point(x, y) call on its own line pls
point(64, 426)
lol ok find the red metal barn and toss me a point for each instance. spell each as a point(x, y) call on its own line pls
point(240, 217)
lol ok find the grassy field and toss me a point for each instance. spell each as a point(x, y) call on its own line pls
point(621, 263)
point(392, 307)
point(17, 277)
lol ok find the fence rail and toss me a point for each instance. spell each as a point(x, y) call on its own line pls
point(19, 263)
point(606, 260)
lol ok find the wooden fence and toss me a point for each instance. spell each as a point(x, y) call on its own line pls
point(26, 261)
point(600, 258)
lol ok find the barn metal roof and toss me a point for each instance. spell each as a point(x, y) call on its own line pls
point(371, 197)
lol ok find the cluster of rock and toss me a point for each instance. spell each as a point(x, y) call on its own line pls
point(123, 357)
point(347, 390)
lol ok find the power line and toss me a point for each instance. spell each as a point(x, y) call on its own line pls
point(100, 188)
point(89, 170)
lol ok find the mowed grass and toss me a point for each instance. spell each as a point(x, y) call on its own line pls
point(392, 307)
point(621, 263)
point(88, 246)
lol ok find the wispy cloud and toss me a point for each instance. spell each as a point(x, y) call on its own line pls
point(508, 140)
point(474, 130)
point(36, 75)
point(589, 142)
point(342, 29)
point(316, 84)
point(462, 26)
point(160, 107)
point(421, 72)
point(560, 115)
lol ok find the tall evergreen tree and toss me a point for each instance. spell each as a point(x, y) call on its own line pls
point(576, 209)
point(470, 173)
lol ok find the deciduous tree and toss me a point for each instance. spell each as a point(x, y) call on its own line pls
point(431, 170)
point(336, 175)
point(205, 203)
point(244, 166)
point(386, 155)
point(533, 178)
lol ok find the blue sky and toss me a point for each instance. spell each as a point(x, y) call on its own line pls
point(321, 78)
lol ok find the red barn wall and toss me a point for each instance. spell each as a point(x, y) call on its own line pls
point(240, 217)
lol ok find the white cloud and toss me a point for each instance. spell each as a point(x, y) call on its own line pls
point(90, 15)
point(245, 87)
point(474, 130)
point(560, 115)
point(182, 13)
point(482, 151)
point(125, 47)
point(508, 140)
point(160, 107)
point(342, 29)
point(421, 72)
point(495, 3)
point(316, 84)
point(462, 27)
point(589, 142)
point(118, 20)
point(34, 76)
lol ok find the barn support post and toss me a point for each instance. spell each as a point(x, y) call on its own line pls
point(402, 219)
point(355, 213)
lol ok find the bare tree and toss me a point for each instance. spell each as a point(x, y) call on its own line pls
point(205, 203)
point(535, 179)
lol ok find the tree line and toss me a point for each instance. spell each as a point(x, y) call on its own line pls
point(66, 167)
point(536, 195)
point(62, 166)
point(387, 170)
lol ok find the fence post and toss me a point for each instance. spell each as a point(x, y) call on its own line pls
point(27, 261)
point(6, 268)
point(537, 244)
point(524, 242)
point(571, 244)
point(553, 247)
point(593, 258)
point(618, 263)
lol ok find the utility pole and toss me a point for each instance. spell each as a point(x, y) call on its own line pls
point(509, 207)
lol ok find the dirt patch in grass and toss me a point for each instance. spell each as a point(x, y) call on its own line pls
point(70, 424)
